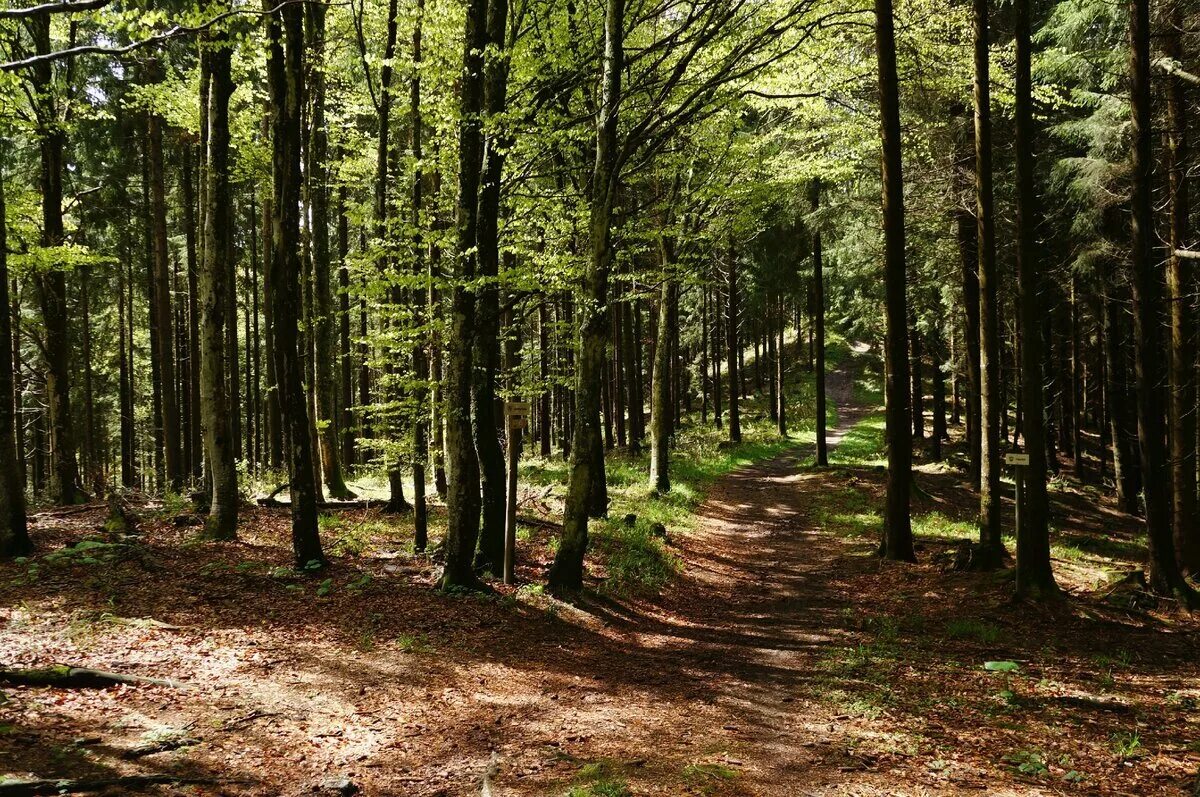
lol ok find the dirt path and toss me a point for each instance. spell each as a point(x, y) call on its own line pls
point(784, 660)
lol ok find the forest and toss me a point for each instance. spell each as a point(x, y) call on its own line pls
point(599, 398)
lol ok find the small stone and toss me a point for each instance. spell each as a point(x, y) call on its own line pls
point(337, 785)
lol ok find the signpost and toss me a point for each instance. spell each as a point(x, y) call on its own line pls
point(1018, 461)
point(516, 414)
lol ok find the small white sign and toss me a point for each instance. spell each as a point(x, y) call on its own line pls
point(516, 408)
point(1016, 459)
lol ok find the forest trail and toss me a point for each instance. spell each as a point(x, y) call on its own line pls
point(783, 659)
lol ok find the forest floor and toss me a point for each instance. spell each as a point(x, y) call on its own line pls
point(771, 654)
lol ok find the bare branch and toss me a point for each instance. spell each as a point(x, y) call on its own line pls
point(62, 7)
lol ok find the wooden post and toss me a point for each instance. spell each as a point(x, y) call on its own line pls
point(1018, 462)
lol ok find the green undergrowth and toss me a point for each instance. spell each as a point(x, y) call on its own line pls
point(636, 560)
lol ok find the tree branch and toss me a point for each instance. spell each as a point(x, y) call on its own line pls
point(62, 7)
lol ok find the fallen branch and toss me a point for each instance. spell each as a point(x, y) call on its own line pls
point(64, 677)
point(539, 523)
point(154, 748)
point(40, 786)
point(271, 502)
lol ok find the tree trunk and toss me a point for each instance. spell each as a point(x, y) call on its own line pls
point(567, 570)
point(918, 380)
point(51, 285)
point(345, 360)
point(544, 423)
point(986, 282)
point(419, 299)
point(14, 534)
point(732, 346)
point(660, 400)
point(1164, 574)
point(195, 445)
point(164, 322)
point(462, 497)
point(490, 556)
point(897, 537)
point(286, 79)
point(1034, 576)
point(819, 331)
point(213, 286)
point(1180, 283)
point(318, 196)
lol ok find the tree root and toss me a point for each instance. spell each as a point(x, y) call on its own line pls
point(46, 786)
point(65, 677)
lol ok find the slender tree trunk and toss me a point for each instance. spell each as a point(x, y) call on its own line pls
point(937, 356)
point(490, 556)
point(918, 378)
point(704, 354)
point(544, 423)
point(14, 534)
point(897, 537)
point(419, 298)
point(318, 196)
point(213, 285)
point(1078, 386)
point(463, 497)
point(274, 415)
point(770, 311)
point(1164, 574)
point(164, 322)
point(732, 346)
point(660, 401)
point(567, 571)
point(286, 79)
point(780, 378)
point(990, 400)
point(345, 360)
point(125, 387)
point(51, 285)
point(1034, 576)
point(195, 445)
point(626, 311)
point(1180, 283)
point(819, 331)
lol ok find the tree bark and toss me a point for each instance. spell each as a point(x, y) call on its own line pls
point(567, 571)
point(51, 286)
point(1164, 574)
point(660, 400)
point(986, 282)
point(819, 331)
point(897, 537)
point(213, 285)
point(490, 555)
point(732, 345)
point(14, 533)
point(1180, 283)
point(193, 464)
point(164, 322)
point(463, 497)
point(286, 79)
point(318, 196)
point(419, 298)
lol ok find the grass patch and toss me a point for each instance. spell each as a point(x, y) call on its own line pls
point(977, 630)
point(937, 526)
point(864, 444)
point(603, 778)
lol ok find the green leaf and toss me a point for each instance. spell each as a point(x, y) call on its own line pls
point(1001, 666)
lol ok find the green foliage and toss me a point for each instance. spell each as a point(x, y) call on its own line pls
point(1027, 762)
